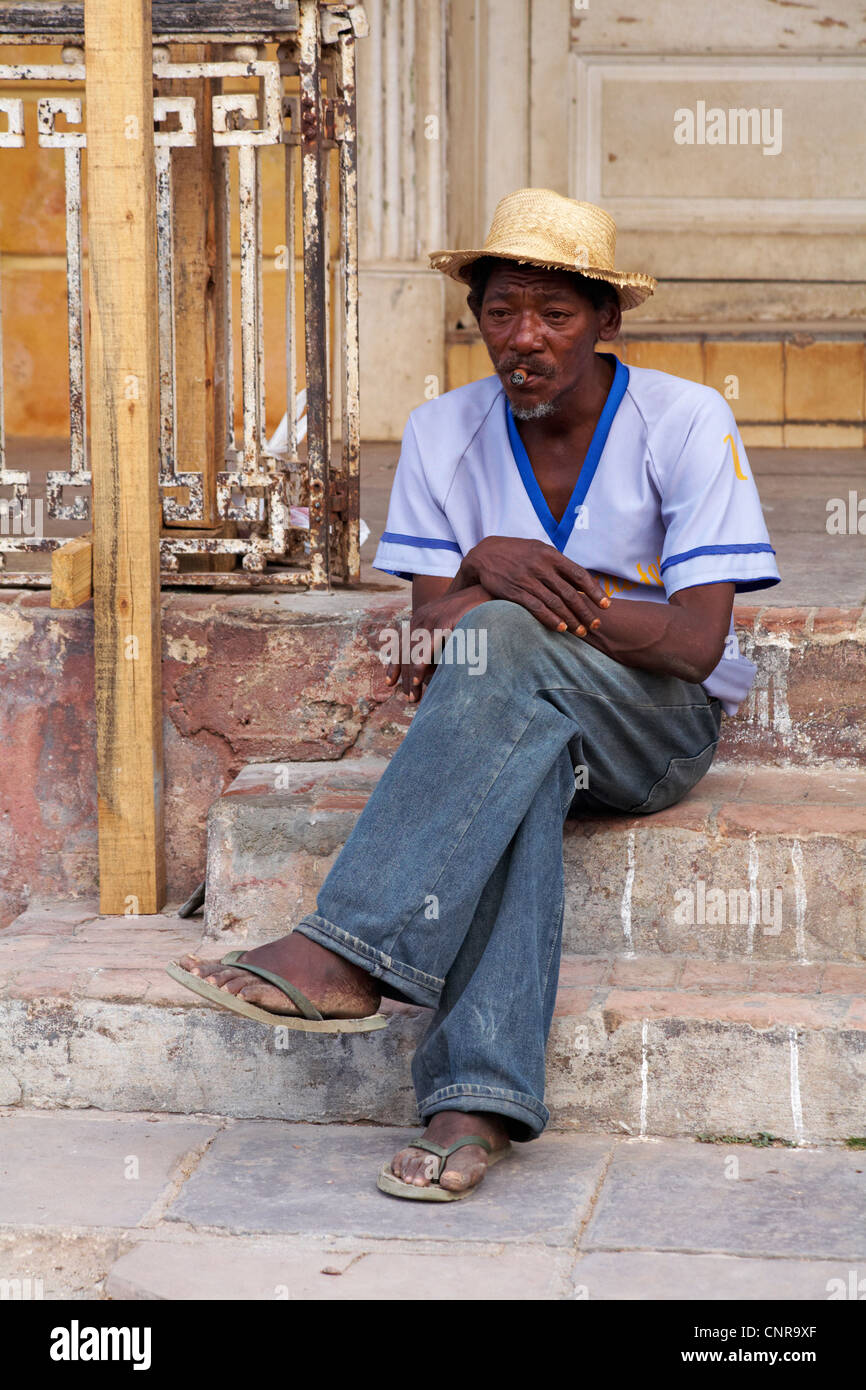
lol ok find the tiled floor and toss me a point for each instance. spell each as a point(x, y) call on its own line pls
point(96, 1205)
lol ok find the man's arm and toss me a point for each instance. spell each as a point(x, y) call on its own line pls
point(684, 637)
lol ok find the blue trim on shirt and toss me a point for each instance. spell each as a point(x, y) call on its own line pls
point(560, 531)
point(741, 586)
point(424, 542)
point(745, 586)
point(746, 548)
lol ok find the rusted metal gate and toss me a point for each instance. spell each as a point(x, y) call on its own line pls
point(244, 517)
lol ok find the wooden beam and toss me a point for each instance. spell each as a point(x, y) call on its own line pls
point(72, 573)
point(124, 397)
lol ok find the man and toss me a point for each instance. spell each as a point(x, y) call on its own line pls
point(592, 523)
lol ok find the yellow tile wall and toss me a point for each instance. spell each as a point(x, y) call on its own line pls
point(782, 394)
point(824, 381)
point(680, 359)
point(749, 376)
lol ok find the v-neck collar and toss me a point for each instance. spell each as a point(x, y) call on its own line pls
point(560, 531)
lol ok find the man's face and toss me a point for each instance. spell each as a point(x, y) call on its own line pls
point(535, 321)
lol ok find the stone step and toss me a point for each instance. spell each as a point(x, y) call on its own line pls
point(808, 701)
point(757, 862)
point(640, 1044)
point(302, 678)
point(263, 677)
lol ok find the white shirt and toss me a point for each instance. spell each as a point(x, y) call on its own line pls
point(665, 499)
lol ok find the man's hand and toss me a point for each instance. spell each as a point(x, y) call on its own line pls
point(436, 611)
point(560, 594)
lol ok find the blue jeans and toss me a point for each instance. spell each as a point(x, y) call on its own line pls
point(449, 891)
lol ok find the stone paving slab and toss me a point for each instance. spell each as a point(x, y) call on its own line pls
point(276, 1211)
point(70, 1168)
point(643, 1276)
point(300, 1178)
point(232, 1268)
point(732, 1199)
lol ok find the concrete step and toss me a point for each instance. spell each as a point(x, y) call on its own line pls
point(757, 863)
point(640, 1044)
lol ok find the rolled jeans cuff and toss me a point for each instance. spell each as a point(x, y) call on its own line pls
point(468, 1096)
point(414, 984)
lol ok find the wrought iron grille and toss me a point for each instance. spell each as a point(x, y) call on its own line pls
point(272, 519)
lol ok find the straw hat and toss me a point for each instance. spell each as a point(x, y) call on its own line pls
point(536, 226)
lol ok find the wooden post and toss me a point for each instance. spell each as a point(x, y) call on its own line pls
point(124, 391)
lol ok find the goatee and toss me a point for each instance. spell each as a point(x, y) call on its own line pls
point(533, 412)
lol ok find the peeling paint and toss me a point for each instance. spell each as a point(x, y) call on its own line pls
point(184, 649)
point(14, 629)
point(800, 901)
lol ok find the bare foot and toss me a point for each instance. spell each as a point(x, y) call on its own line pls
point(467, 1166)
point(338, 988)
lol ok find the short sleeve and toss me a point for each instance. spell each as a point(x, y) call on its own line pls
point(418, 538)
point(714, 526)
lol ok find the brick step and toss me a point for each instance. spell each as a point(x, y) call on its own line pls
point(757, 862)
point(299, 677)
point(638, 1044)
point(312, 663)
point(808, 701)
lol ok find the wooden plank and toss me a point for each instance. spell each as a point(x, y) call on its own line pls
point(234, 19)
point(124, 395)
point(195, 292)
point(72, 573)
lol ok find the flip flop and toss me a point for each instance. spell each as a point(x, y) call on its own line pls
point(390, 1183)
point(310, 1022)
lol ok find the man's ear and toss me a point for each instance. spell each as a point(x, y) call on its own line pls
point(609, 321)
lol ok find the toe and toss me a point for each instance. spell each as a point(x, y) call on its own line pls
point(218, 974)
point(233, 982)
point(263, 994)
point(459, 1179)
point(196, 966)
point(414, 1166)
